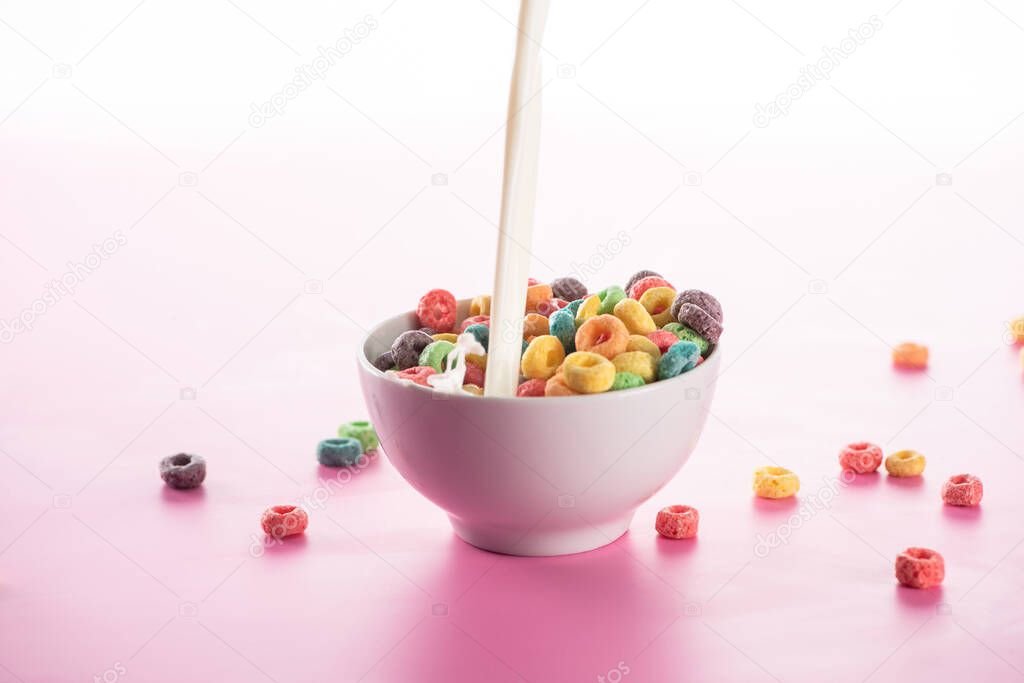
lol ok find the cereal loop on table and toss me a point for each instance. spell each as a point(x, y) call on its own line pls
point(910, 356)
point(962, 490)
point(531, 387)
point(638, 288)
point(416, 375)
point(480, 305)
point(626, 380)
point(587, 309)
point(602, 334)
point(534, 325)
point(406, 349)
point(658, 302)
point(183, 471)
point(610, 296)
point(920, 568)
point(542, 358)
point(588, 373)
point(638, 363)
point(362, 431)
point(679, 358)
point(284, 520)
point(860, 457)
point(556, 386)
point(341, 452)
point(637, 342)
point(634, 316)
point(535, 294)
point(437, 310)
point(775, 482)
point(568, 288)
point(677, 521)
point(905, 464)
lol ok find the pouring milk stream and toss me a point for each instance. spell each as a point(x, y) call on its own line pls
point(518, 196)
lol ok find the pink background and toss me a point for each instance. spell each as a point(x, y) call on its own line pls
point(254, 258)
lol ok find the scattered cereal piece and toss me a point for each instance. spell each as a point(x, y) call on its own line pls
point(542, 358)
point(437, 310)
point(602, 334)
point(679, 358)
point(626, 380)
point(588, 373)
point(963, 490)
point(920, 568)
point(362, 431)
point(910, 356)
point(183, 471)
point(568, 288)
point(775, 482)
point(406, 349)
point(905, 464)
point(341, 452)
point(284, 520)
point(531, 387)
point(860, 457)
point(677, 521)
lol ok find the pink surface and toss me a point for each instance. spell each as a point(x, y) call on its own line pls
point(227, 324)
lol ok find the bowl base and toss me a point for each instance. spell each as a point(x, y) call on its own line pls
point(543, 540)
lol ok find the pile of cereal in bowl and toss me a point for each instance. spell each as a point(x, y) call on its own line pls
point(573, 343)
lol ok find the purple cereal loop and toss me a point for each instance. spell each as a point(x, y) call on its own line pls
point(384, 361)
point(701, 322)
point(405, 351)
point(639, 275)
point(698, 298)
point(568, 289)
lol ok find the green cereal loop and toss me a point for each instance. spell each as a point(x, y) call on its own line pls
point(686, 334)
point(610, 296)
point(361, 431)
point(435, 353)
point(674, 328)
point(626, 380)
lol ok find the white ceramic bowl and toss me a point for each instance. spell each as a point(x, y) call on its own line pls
point(535, 476)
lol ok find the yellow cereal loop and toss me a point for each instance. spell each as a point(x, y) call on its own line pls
point(478, 360)
point(542, 357)
point(775, 482)
point(639, 363)
point(904, 464)
point(445, 336)
point(634, 316)
point(638, 342)
point(473, 389)
point(588, 309)
point(480, 305)
point(588, 373)
point(658, 302)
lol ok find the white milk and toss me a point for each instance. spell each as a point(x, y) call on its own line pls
point(518, 195)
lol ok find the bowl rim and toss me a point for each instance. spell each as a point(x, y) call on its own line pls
point(367, 366)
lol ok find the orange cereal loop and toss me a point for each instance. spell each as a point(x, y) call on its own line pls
point(910, 355)
point(480, 305)
point(603, 334)
point(478, 360)
point(658, 302)
point(535, 295)
point(535, 325)
point(1017, 330)
point(556, 386)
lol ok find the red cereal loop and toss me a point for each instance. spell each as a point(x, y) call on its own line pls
point(663, 339)
point(284, 520)
point(677, 521)
point(860, 457)
point(546, 308)
point(436, 310)
point(963, 490)
point(643, 284)
point(417, 374)
point(531, 387)
point(920, 568)
point(474, 375)
point(531, 281)
point(473, 320)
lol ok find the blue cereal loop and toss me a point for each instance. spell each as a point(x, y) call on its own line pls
point(679, 358)
point(342, 452)
point(481, 332)
point(562, 324)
